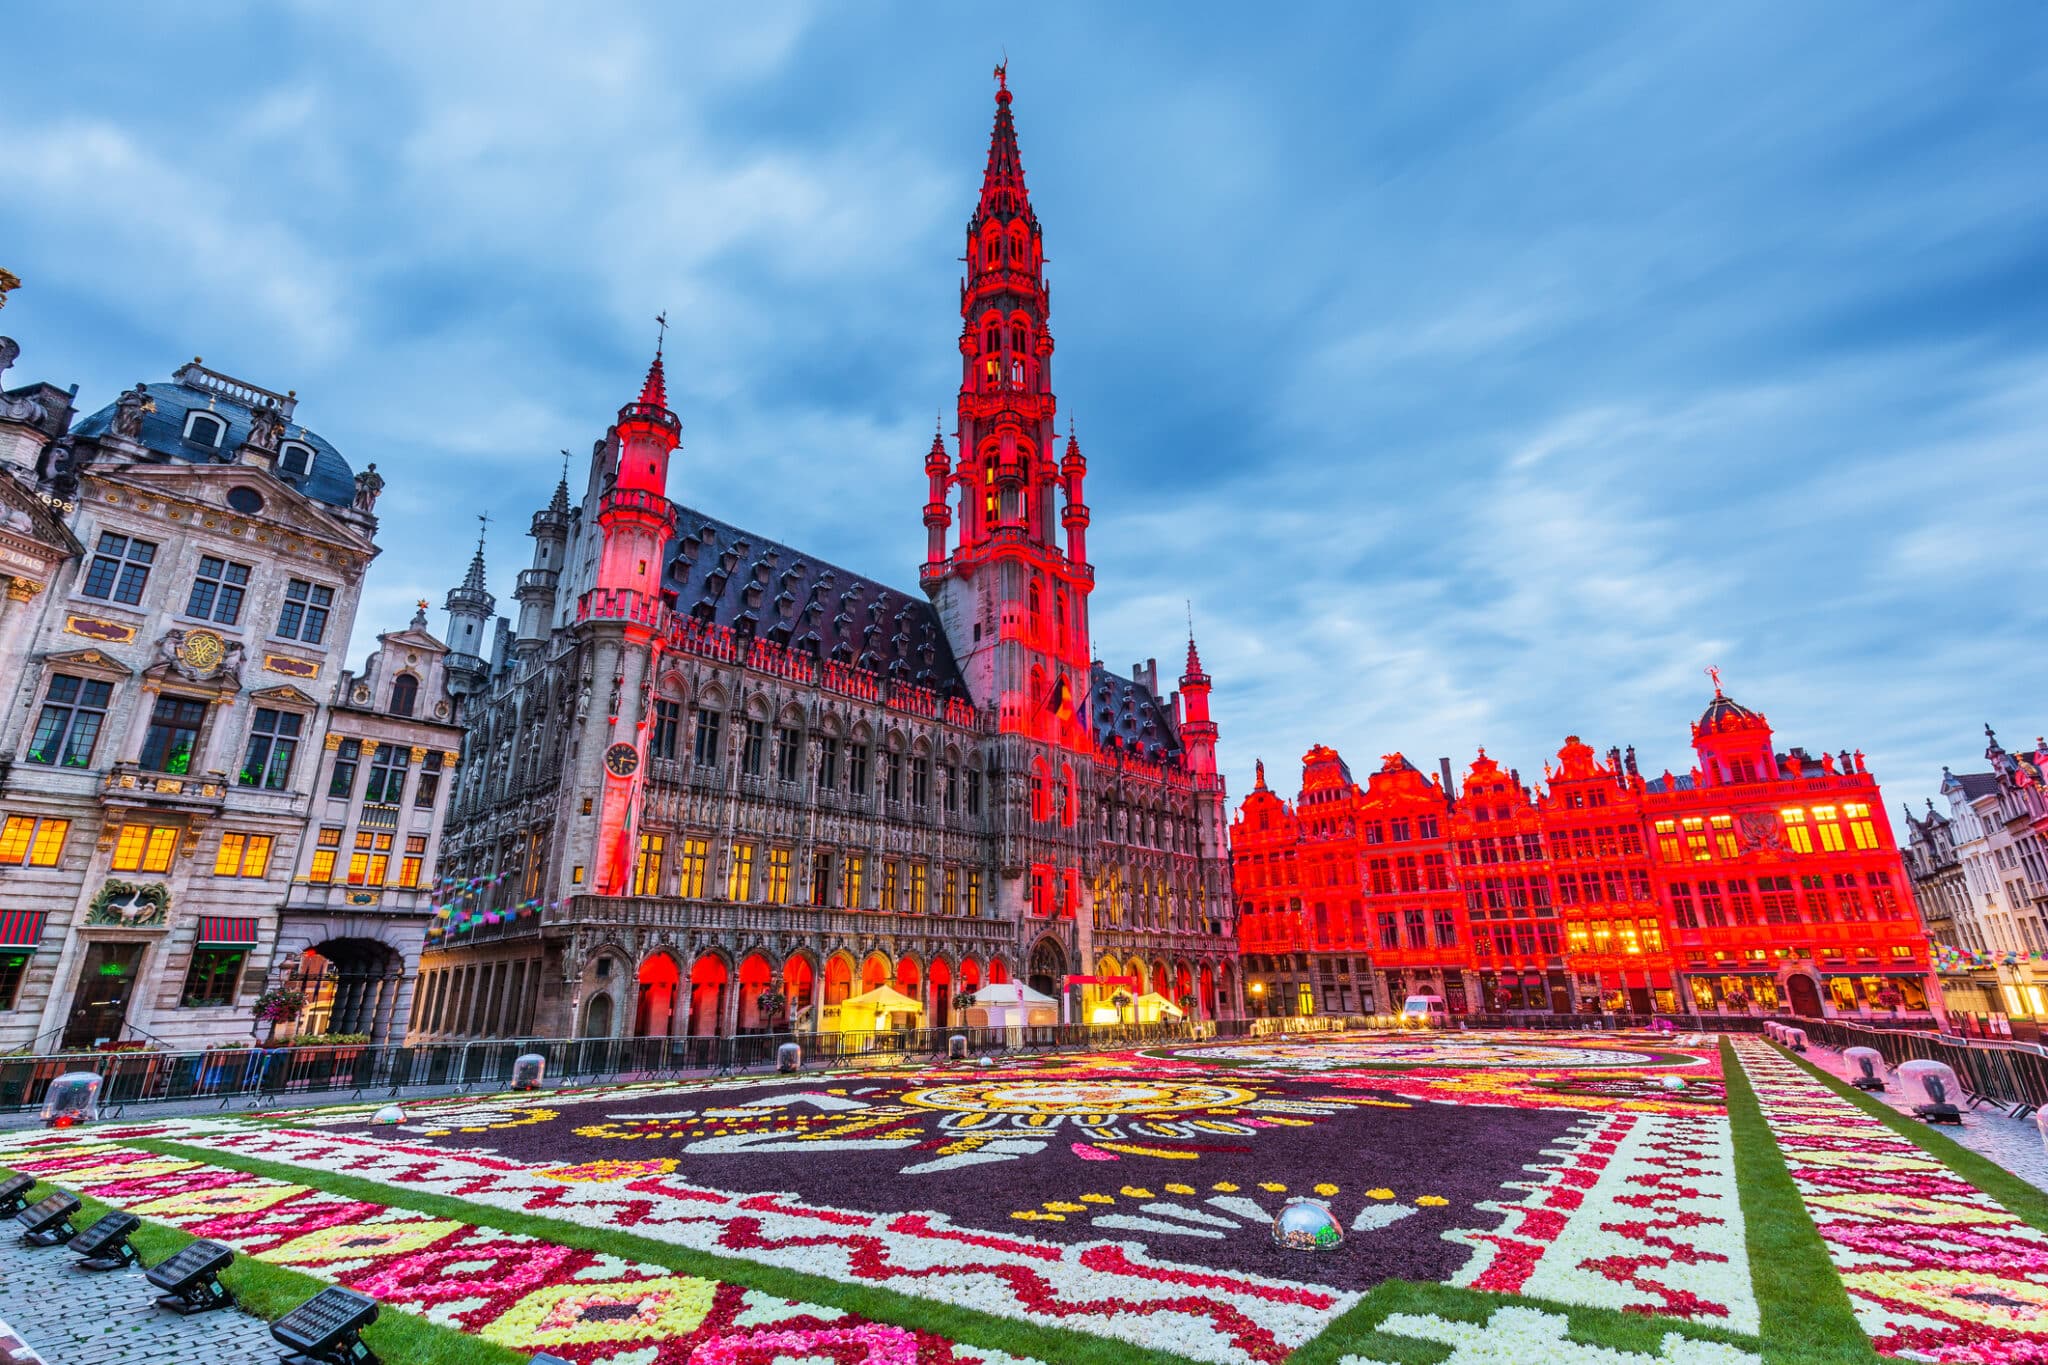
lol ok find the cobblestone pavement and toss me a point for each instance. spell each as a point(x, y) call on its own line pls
point(2013, 1143)
point(83, 1317)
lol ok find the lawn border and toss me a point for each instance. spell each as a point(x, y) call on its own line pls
point(268, 1291)
point(966, 1326)
point(1803, 1309)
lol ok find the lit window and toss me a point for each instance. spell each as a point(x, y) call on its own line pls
point(28, 841)
point(1796, 832)
point(849, 889)
point(212, 979)
point(242, 855)
point(415, 859)
point(690, 868)
point(1667, 841)
point(778, 876)
point(372, 858)
point(145, 848)
point(647, 869)
point(323, 856)
point(973, 894)
point(273, 742)
point(739, 882)
point(917, 905)
point(1724, 836)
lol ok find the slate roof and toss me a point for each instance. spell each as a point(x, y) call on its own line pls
point(751, 583)
point(330, 480)
point(1974, 785)
point(1126, 714)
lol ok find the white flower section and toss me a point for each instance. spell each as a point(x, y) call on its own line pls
point(1524, 1336)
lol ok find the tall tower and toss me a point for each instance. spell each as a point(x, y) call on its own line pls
point(538, 583)
point(1012, 598)
point(621, 618)
point(469, 614)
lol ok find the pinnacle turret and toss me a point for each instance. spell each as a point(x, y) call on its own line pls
point(1002, 184)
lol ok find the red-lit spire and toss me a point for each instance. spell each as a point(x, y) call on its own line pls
point(654, 392)
point(1002, 184)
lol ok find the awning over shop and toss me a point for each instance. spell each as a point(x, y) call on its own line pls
point(22, 928)
point(226, 931)
point(1661, 980)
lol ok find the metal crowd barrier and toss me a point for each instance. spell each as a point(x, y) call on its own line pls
point(263, 1075)
point(2011, 1076)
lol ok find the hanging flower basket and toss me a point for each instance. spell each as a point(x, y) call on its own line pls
point(274, 1007)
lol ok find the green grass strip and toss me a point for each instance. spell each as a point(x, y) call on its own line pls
point(1058, 1345)
point(1358, 1332)
point(2024, 1201)
point(269, 1292)
point(1804, 1309)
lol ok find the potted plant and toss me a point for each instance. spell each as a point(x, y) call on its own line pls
point(1889, 998)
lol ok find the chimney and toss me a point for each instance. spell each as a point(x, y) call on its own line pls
point(1443, 765)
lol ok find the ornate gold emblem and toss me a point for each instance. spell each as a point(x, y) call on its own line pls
point(202, 650)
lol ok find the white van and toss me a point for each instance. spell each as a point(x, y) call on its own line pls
point(1424, 1011)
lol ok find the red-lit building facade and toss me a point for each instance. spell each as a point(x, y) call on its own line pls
point(1758, 880)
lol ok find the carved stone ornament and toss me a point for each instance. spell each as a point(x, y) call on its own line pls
point(201, 656)
point(130, 906)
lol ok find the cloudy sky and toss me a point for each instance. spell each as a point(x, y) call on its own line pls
point(1481, 374)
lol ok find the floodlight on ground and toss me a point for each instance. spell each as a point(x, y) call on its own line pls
point(527, 1071)
point(105, 1244)
point(14, 1194)
point(327, 1329)
point(1937, 1081)
point(47, 1222)
point(789, 1057)
point(190, 1279)
point(72, 1098)
point(1866, 1068)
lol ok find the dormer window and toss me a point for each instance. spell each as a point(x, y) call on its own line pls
point(405, 693)
point(294, 460)
point(206, 429)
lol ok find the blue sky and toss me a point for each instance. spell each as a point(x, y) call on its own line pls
point(1481, 373)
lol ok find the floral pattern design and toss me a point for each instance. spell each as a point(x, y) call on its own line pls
point(1935, 1269)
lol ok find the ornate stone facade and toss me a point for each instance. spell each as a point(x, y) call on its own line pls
point(743, 784)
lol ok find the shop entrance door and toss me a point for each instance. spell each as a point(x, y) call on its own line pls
point(1805, 995)
point(100, 1003)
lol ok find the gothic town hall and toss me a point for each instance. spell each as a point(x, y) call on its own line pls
point(716, 784)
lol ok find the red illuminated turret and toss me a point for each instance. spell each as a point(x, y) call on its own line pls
point(1732, 741)
point(635, 515)
point(1197, 731)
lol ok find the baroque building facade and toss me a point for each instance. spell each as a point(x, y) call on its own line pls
point(1758, 880)
point(183, 570)
point(716, 784)
point(1986, 860)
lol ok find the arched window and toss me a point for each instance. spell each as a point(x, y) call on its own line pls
point(1041, 793)
point(1067, 807)
point(992, 340)
point(294, 459)
point(205, 429)
point(1020, 339)
point(405, 694)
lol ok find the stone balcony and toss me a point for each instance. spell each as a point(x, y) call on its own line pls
point(127, 784)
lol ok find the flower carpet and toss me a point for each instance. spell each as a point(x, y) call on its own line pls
point(925, 1213)
point(1935, 1269)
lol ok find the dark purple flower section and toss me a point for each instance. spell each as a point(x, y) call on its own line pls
point(1191, 1184)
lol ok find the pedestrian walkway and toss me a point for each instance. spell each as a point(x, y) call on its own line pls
point(2015, 1144)
point(84, 1317)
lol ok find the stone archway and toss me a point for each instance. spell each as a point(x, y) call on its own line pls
point(351, 985)
point(1048, 966)
point(757, 975)
point(654, 1012)
point(597, 1016)
point(709, 982)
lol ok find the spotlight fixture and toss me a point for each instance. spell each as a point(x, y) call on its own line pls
point(14, 1194)
point(105, 1244)
point(47, 1222)
point(190, 1278)
point(327, 1329)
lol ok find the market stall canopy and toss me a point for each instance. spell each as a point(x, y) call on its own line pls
point(1151, 1007)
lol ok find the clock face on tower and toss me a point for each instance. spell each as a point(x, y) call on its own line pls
point(621, 760)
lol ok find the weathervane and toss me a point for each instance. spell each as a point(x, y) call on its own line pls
point(1715, 673)
point(661, 321)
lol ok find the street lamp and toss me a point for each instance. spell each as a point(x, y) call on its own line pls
point(1258, 997)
